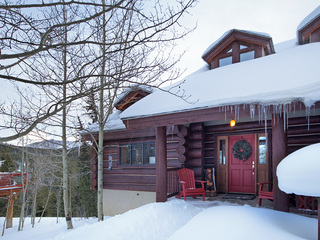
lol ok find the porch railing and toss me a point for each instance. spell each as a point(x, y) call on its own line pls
point(172, 182)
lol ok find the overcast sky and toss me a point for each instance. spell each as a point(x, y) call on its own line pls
point(278, 18)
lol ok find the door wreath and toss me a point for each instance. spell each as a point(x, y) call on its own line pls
point(242, 150)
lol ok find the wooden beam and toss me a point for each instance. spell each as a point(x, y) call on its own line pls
point(161, 164)
point(279, 152)
point(9, 217)
point(202, 115)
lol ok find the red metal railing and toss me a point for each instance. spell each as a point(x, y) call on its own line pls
point(172, 182)
point(12, 180)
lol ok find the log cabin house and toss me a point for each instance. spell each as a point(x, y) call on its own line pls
point(271, 91)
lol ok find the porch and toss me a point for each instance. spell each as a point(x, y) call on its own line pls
point(304, 205)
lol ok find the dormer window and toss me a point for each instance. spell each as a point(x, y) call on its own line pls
point(225, 61)
point(238, 46)
point(246, 56)
point(308, 30)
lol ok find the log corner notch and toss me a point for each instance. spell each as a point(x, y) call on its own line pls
point(279, 152)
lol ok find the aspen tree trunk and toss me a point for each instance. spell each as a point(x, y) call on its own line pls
point(46, 205)
point(67, 211)
point(34, 201)
point(101, 123)
point(24, 189)
point(58, 203)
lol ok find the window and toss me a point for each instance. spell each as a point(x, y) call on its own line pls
point(262, 150)
point(222, 152)
point(225, 61)
point(246, 56)
point(138, 154)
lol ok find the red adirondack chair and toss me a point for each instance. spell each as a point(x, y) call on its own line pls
point(263, 193)
point(188, 184)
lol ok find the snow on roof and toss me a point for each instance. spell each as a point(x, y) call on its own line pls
point(279, 78)
point(113, 123)
point(230, 31)
point(308, 19)
point(132, 88)
point(299, 172)
point(286, 45)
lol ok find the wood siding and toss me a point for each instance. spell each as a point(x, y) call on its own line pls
point(192, 147)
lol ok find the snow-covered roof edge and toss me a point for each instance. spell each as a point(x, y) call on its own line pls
point(308, 19)
point(304, 61)
point(132, 88)
point(114, 123)
point(229, 32)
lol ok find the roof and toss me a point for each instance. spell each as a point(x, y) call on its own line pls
point(308, 19)
point(131, 88)
point(114, 123)
point(281, 78)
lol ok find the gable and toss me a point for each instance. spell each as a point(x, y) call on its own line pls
point(310, 31)
point(237, 46)
point(130, 98)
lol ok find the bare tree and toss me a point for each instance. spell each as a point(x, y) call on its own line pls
point(122, 43)
point(26, 36)
point(144, 57)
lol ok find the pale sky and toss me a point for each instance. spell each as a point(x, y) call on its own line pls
point(278, 18)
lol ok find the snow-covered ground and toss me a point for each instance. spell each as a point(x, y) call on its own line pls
point(175, 220)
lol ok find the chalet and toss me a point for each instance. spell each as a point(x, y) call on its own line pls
point(271, 92)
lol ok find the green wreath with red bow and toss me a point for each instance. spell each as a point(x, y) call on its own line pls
point(242, 150)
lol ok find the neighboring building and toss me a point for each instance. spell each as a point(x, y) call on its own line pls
point(273, 93)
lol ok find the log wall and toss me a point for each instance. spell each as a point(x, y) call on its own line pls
point(302, 132)
point(192, 147)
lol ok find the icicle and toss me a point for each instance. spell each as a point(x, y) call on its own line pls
point(284, 118)
point(265, 121)
point(308, 116)
point(252, 111)
point(239, 112)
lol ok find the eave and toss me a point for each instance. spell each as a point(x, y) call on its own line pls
point(201, 115)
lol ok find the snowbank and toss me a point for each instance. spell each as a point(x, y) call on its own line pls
point(177, 219)
point(299, 172)
point(245, 222)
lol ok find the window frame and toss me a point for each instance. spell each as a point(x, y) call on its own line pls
point(132, 146)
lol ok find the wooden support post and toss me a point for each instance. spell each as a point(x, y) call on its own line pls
point(161, 165)
point(279, 152)
point(10, 211)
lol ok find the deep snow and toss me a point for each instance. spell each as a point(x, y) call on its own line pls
point(175, 220)
point(301, 179)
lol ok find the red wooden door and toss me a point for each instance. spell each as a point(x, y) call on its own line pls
point(241, 172)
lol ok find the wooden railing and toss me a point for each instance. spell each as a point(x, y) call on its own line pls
point(172, 182)
point(12, 182)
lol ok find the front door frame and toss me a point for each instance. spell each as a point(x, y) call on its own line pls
point(222, 173)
